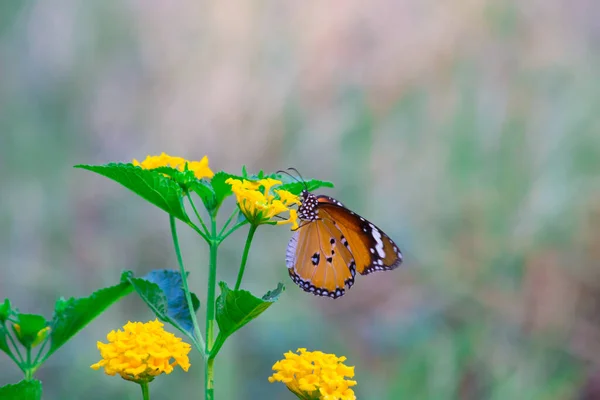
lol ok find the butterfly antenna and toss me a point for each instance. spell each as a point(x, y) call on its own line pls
point(303, 181)
point(288, 174)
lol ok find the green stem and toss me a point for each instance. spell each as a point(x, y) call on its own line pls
point(198, 231)
point(145, 391)
point(245, 255)
point(235, 228)
point(12, 357)
point(28, 369)
point(210, 309)
point(39, 354)
point(199, 342)
point(233, 214)
point(198, 216)
point(12, 341)
point(209, 393)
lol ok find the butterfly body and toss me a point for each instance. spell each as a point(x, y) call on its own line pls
point(332, 244)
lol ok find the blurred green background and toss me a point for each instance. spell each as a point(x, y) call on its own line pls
point(468, 130)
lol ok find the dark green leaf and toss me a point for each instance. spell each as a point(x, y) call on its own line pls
point(152, 185)
point(3, 340)
point(244, 172)
point(70, 316)
point(24, 390)
point(204, 190)
point(162, 291)
point(297, 187)
point(235, 308)
point(222, 190)
point(28, 327)
point(5, 310)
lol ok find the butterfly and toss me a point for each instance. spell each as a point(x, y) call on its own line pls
point(332, 244)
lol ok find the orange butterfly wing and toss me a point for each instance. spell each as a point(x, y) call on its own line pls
point(371, 248)
point(317, 260)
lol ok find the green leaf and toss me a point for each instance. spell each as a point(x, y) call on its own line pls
point(5, 310)
point(204, 190)
point(222, 190)
point(297, 187)
point(28, 327)
point(235, 308)
point(70, 316)
point(162, 291)
point(24, 390)
point(3, 342)
point(152, 185)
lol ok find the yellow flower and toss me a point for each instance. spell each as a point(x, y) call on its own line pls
point(314, 375)
point(141, 352)
point(200, 168)
point(259, 205)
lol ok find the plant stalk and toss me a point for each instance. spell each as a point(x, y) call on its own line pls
point(251, 232)
point(206, 233)
point(145, 391)
point(199, 340)
point(210, 309)
point(28, 370)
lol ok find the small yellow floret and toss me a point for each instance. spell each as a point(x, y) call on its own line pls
point(142, 351)
point(200, 168)
point(315, 375)
point(259, 205)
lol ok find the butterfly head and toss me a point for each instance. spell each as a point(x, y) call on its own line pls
point(308, 209)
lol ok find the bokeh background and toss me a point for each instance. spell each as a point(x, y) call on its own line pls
point(468, 130)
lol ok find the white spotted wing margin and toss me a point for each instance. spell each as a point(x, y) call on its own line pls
point(309, 270)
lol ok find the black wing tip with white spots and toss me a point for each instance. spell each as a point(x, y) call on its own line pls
point(375, 267)
point(378, 264)
point(378, 250)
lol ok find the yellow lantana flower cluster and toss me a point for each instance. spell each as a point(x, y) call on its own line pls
point(142, 351)
point(314, 375)
point(259, 205)
point(200, 168)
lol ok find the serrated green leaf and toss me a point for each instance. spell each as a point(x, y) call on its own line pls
point(235, 308)
point(311, 185)
point(162, 291)
point(204, 190)
point(5, 310)
point(70, 316)
point(172, 173)
point(24, 390)
point(222, 190)
point(152, 185)
point(28, 327)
